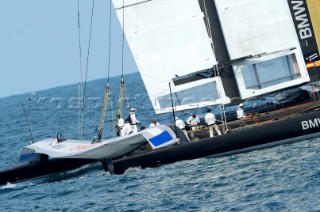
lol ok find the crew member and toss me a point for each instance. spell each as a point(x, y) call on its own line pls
point(182, 126)
point(154, 123)
point(240, 112)
point(119, 125)
point(210, 120)
point(126, 129)
point(134, 121)
point(193, 121)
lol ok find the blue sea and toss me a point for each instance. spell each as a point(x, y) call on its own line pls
point(283, 178)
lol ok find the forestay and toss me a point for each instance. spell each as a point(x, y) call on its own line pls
point(168, 38)
point(265, 30)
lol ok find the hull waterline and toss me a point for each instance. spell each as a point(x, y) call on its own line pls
point(248, 138)
point(41, 169)
point(264, 136)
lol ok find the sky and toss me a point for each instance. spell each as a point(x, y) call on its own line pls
point(39, 44)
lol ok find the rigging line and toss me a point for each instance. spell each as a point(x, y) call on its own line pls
point(173, 112)
point(86, 75)
point(112, 116)
point(109, 49)
point(88, 52)
point(104, 111)
point(121, 91)
point(127, 98)
point(122, 52)
point(123, 95)
point(81, 81)
point(106, 95)
point(130, 5)
point(122, 85)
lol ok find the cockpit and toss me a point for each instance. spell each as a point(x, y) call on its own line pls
point(28, 156)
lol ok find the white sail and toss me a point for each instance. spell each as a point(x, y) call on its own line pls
point(265, 29)
point(168, 38)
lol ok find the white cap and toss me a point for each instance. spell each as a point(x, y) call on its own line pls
point(241, 105)
point(176, 118)
point(132, 109)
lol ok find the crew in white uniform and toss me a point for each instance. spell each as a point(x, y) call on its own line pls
point(154, 123)
point(240, 112)
point(134, 121)
point(193, 121)
point(126, 129)
point(120, 125)
point(182, 126)
point(210, 120)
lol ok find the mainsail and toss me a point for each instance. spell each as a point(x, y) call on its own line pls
point(169, 38)
point(178, 41)
point(265, 30)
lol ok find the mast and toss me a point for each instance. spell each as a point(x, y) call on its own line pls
point(216, 70)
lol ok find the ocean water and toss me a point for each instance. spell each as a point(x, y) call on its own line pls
point(283, 178)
